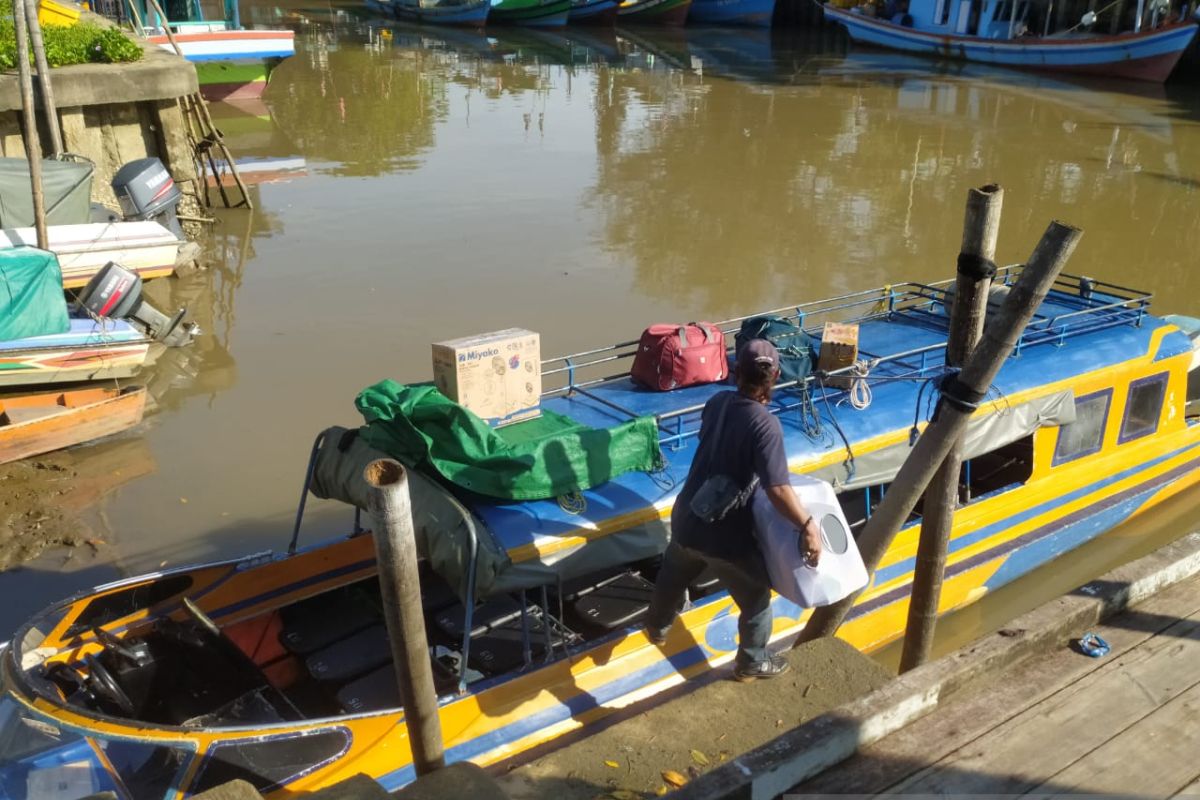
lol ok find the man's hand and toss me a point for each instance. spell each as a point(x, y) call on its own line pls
point(811, 536)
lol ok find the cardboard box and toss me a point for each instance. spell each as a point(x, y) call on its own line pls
point(839, 348)
point(496, 375)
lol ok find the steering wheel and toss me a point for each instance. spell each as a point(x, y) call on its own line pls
point(101, 683)
point(114, 644)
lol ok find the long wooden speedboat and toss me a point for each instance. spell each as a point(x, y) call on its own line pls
point(231, 64)
point(995, 33)
point(145, 247)
point(276, 668)
point(32, 424)
point(90, 350)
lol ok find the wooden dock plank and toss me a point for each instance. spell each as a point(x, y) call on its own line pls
point(977, 711)
point(1031, 747)
point(1154, 757)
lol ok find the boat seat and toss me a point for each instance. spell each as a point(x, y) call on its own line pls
point(316, 623)
point(571, 590)
point(617, 604)
point(377, 690)
point(348, 658)
point(502, 648)
point(490, 614)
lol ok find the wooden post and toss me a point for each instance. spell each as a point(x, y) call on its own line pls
point(33, 146)
point(43, 68)
point(396, 553)
point(974, 280)
point(999, 338)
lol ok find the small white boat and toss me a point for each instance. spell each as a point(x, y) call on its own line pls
point(145, 247)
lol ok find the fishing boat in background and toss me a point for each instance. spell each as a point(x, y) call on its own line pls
point(143, 247)
point(999, 33)
point(470, 13)
point(653, 12)
point(280, 664)
point(757, 13)
point(232, 62)
point(534, 13)
point(594, 12)
point(32, 424)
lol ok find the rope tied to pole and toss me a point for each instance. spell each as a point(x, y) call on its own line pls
point(976, 266)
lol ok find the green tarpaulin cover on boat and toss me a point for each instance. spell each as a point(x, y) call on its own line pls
point(31, 294)
point(541, 458)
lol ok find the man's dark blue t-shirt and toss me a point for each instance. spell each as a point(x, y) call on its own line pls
point(751, 443)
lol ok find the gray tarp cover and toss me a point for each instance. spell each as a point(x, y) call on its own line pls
point(443, 524)
point(67, 186)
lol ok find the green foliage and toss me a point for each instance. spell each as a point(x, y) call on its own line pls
point(80, 43)
point(112, 46)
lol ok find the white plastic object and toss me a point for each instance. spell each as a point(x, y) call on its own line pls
point(840, 570)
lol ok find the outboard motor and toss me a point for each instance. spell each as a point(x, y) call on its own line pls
point(116, 293)
point(146, 191)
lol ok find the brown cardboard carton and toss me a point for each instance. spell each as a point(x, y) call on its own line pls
point(839, 348)
point(496, 375)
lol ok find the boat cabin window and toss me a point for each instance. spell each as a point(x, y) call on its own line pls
point(124, 602)
point(859, 504)
point(1143, 407)
point(1002, 468)
point(1004, 11)
point(942, 14)
point(145, 769)
point(1085, 435)
point(268, 764)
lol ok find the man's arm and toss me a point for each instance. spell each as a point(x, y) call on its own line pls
point(783, 497)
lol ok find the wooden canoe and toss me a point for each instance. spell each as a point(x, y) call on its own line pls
point(32, 424)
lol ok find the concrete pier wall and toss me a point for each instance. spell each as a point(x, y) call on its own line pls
point(113, 114)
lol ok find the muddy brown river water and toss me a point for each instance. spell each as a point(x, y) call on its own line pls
point(582, 185)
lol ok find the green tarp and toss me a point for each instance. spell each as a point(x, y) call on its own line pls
point(542, 458)
point(31, 294)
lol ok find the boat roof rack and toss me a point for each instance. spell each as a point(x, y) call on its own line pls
point(1075, 306)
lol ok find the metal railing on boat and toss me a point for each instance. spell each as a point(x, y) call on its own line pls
point(1096, 305)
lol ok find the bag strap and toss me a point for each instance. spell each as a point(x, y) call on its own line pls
point(715, 435)
point(682, 337)
point(707, 329)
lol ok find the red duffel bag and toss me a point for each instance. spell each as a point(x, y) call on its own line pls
point(672, 356)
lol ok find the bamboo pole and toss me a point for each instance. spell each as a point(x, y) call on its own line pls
point(974, 281)
point(43, 68)
point(396, 553)
point(33, 145)
point(999, 338)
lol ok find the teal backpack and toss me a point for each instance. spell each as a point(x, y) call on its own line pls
point(796, 351)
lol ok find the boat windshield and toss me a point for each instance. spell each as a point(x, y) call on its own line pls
point(42, 761)
point(23, 735)
point(39, 760)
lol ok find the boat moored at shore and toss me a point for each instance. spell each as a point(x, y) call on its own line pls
point(996, 33)
point(280, 665)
